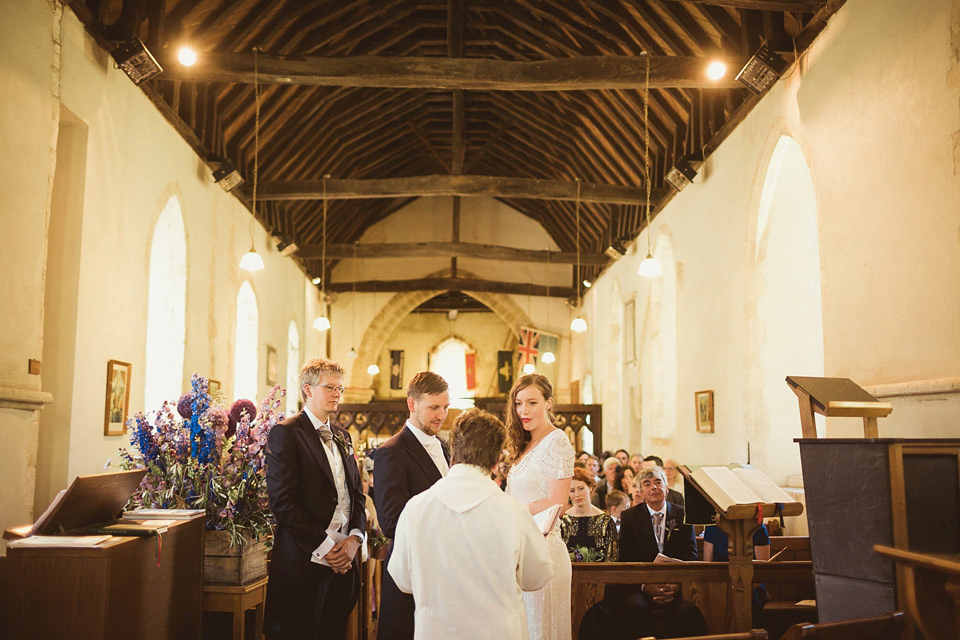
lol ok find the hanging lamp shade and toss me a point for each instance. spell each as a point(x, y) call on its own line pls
point(548, 357)
point(373, 369)
point(352, 354)
point(650, 267)
point(529, 368)
point(579, 324)
point(251, 260)
point(322, 323)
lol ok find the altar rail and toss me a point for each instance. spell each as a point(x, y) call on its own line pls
point(371, 423)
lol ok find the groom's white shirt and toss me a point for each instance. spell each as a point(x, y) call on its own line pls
point(465, 549)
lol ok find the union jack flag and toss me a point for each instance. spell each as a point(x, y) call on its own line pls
point(528, 348)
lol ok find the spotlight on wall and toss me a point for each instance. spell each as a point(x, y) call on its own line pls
point(136, 61)
point(287, 246)
point(227, 176)
point(761, 70)
point(616, 249)
point(682, 173)
point(716, 69)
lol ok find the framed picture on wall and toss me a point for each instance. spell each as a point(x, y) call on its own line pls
point(271, 366)
point(630, 331)
point(213, 387)
point(118, 398)
point(704, 401)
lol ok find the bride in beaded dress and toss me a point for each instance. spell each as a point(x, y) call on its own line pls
point(540, 476)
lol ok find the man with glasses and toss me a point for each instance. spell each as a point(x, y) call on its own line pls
point(405, 465)
point(313, 483)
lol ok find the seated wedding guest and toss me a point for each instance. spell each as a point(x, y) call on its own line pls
point(589, 533)
point(652, 527)
point(624, 479)
point(623, 457)
point(610, 466)
point(672, 496)
point(465, 549)
point(636, 463)
point(582, 457)
point(616, 502)
point(593, 466)
point(716, 549)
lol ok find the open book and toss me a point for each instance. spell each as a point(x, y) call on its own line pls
point(729, 487)
point(547, 518)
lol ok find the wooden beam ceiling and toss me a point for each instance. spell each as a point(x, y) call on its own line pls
point(799, 6)
point(452, 284)
point(448, 185)
point(573, 74)
point(368, 251)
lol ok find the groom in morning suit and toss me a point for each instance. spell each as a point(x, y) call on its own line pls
point(313, 483)
point(405, 465)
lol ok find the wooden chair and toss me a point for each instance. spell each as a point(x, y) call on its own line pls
point(888, 627)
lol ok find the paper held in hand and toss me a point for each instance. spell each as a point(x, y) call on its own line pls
point(547, 518)
point(729, 487)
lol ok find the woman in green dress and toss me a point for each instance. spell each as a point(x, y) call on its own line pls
point(589, 533)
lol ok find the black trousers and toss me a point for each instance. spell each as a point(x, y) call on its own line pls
point(316, 608)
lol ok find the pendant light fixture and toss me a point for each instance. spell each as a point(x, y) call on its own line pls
point(578, 325)
point(549, 357)
point(352, 354)
point(649, 268)
point(251, 260)
point(322, 323)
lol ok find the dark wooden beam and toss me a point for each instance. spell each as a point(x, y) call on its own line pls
point(571, 74)
point(448, 250)
point(453, 284)
point(800, 6)
point(440, 185)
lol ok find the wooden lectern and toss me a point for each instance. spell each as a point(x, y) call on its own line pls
point(836, 397)
point(127, 587)
point(739, 522)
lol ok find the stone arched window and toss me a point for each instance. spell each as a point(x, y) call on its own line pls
point(166, 308)
point(449, 360)
point(293, 367)
point(247, 345)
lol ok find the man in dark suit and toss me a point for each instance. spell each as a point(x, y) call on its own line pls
point(314, 488)
point(405, 465)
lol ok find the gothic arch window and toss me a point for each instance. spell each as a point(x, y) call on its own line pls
point(247, 345)
point(166, 308)
point(293, 368)
point(450, 361)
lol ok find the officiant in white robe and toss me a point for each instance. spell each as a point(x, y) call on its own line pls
point(465, 549)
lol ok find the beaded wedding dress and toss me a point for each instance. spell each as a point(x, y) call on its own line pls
point(548, 610)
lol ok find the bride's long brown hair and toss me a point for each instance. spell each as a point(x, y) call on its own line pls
point(517, 436)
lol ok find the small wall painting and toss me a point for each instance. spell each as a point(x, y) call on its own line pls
point(704, 401)
point(118, 398)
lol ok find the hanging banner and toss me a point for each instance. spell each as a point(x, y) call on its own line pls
point(471, 362)
point(504, 371)
point(396, 369)
point(528, 348)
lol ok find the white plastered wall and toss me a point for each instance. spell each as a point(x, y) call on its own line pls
point(134, 162)
point(873, 106)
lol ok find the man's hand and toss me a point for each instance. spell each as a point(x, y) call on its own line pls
point(662, 593)
point(340, 557)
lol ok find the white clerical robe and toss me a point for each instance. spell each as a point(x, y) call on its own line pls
point(465, 549)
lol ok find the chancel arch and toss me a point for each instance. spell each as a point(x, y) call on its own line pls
point(401, 304)
point(784, 307)
point(166, 307)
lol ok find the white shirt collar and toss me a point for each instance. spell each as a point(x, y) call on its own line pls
point(315, 421)
point(662, 510)
point(464, 487)
point(424, 439)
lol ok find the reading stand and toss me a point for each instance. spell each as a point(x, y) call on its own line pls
point(739, 522)
point(836, 397)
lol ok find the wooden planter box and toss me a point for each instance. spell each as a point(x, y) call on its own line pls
point(240, 564)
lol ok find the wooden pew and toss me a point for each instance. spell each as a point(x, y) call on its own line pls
point(705, 584)
point(888, 627)
point(782, 610)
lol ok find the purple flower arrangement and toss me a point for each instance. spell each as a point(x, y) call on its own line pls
point(200, 457)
